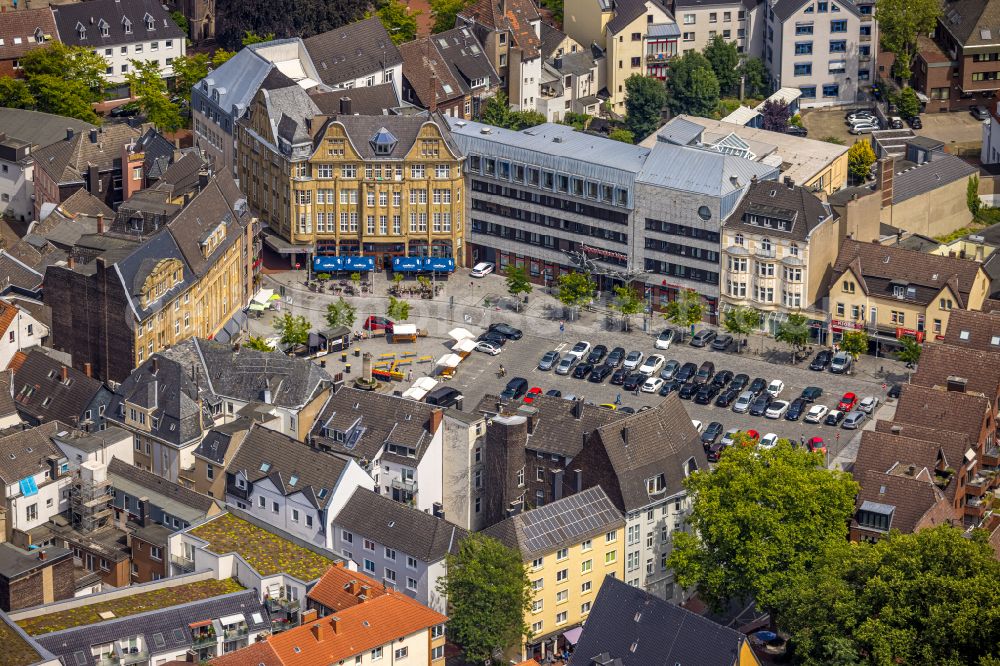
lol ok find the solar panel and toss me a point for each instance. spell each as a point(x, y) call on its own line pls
point(28, 487)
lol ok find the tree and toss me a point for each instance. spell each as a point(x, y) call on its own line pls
point(930, 597)
point(860, 158)
point(794, 332)
point(304, 18)
point(741, 322)
point(691, 85)
point(294, 330)
point(776, 115)
point(686, 311)
point(907, 103)
point(15, 94)
point(759, 519)
point(909, 352)
point(488, 594)
point(524, 119)
point(517, 283)
point(645, 98)
point(972, 199)
point(398, 21)
point(65, 80)
point(398, 309)
point(579, 121)
point(192, 68)
point(755, 78)
point(496, 111)
point(340, 313)
point(854, 343)
point(575, 289)
point(63, 97)
point(251, 37)
point(181, 21)
point(621, 134)
point(150, 90)
point(556, 7)
point(725, 61)
point(260, 344)
point(900, 23)
point(445, 13)
point(628, 303)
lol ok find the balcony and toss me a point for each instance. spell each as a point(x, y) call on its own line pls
point(183, 564)
point(977, 487)
point(765, 252)
point(975, 507)
point(405, 485)
point(991, 457)
point(204, 640)
point(282, 605)
point(660, 57)
point(237, 633)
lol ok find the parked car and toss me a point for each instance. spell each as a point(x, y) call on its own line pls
point(854, 420)
point(916, 123)
point(632, 360)
point(703, 337)
point(482, 269)
point(489, 347)
point(567, 364)
point(506, 330)
point(730, 437)
point(795, 409)
point(760, 404)
point(496, 337)
point(705, 373)
point(126, 110)
point(686, 372)
point(840, 363)
point(652, 385)
point(811, 393)
point(515, 388)
point(688, 391)
point(864, 127)
point(821, 360)
point(549, 359)
point(445, 396)
point(376, 323)
point(816, 445)
point(618, 378)
point(795, 130)
point(555, 393)
point(698, 425)
point(652, 364)
point(625, 409)
point(633, 381)
point(669, 386)
point(616, 357)
point(665, 338)
point(532, 393)
point(597, 354)
point(740, 381)
point(580, 349)
point(600, 373)
point(980, 112)
point(863, 114)
point(722, 342)
point(816, 413)
point(715, 452)
point(711, 433)
point(742, 404)
point(722, 377)
point(706, 394)
point(868, 404)
point(894, 391)
point(670, 369)
point(895, 122)
point(768, 441)
point(582, 370)
point(775, 388)
point(758, 385)
point(834, 417)
point(776, 409)
point(726, 397)
point(847, 402)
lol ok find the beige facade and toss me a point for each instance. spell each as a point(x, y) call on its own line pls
point(210, 475)
point(935, 213)
point(700, 23)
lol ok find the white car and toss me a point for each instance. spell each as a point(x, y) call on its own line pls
point(652, 364)
point(868, 404)
point(777, 409)
point(768, 441)
point(698, 425)
point(864, 127)
point(482, 269)
point(632, 360)
point(652, 385)
point(816, 413)
point(580, 349)
point(775, 388)
point(730, 437)
point(664, 339)
point(488, 347)
point(858, 116)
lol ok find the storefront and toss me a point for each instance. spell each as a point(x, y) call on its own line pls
point(436, 266)
point(345, 264)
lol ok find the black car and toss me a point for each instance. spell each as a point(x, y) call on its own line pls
point(834, 417)
point(726, 397)
point(627, 410)
point(714, 451)
point(795, 409)
point(516, 388)
point(555, 393)
point(706, 394)
point(822, 360)
point(758, 385)
point(739, 382)
point(506, 330)
point(582, 370)
point(597, 354)
point(795, 130)
point(669, 387)
point(445, 397)
point(686, 372)
point(616, 357)
point(633, 381)
point(600, 373)
point(916, 123)
point(811, 393)
point(712, 432)
point(894, 391)
point(126, 110)
point(760, 404)
point(722, 342)
point(722, 377)
point(688, 390)
point(618, 378)
point(493, 336)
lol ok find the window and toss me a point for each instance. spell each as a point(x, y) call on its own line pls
point(390, 575)
point(561, 618)
point(945, 304)
point(562, 554)
point(562, 575)
point(808, 92)
point(537, 584)
point(838, 26)
point(636, 62)
point(937, 326)
point(586, 566)
point(611, 557)
point(803, 69)
point(585, 546)
point(262, 502)
point(897, 317)
point(31, 512)
point(831, 90)
point(536, 563)
point(156, 553)
point(804, 29)
point(803, 48)
point(390, 554)
point(536, 628)
point(611, 536)
point(537, 605)
point(838, 46)
point(376, 654)
point(402, 652)
point(274, 507)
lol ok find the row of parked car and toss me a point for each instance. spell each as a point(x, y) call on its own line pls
point(865, 121)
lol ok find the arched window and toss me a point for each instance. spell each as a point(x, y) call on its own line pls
point(793, 250)
point(739, 239)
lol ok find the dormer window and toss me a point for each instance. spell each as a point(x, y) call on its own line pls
point(39, 36)
point(81, 31)
point(105, 28)
point(899, 291)
point(150, 22)
point(656, 484)
point(383, 142)
point(127, 25)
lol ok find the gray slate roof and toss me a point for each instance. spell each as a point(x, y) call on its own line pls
point(18, 274)
point(41, 129)
point(67, 160)
point(352, 51)
point(361, 129)
point(562, 523)
point(236, 81)
point(15, 562)
point(633, 626)
point(552, 37)
point(766, 198)
point(940, 170)
point(159, 489)
point(784, 9)
point(114, 13)
point(399, 527)
point(40, 392)
point(23, 453)
point(171, 625)
point(627, 11)
point(972, 22)
point(365, 101)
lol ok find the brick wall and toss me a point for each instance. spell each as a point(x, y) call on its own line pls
point(50, 581)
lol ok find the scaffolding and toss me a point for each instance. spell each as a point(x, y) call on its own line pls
point(90, 498)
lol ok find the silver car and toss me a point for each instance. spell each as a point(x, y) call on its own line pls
point(567, 364)
point(548, 360)
point(854, 420)
point(742, 404)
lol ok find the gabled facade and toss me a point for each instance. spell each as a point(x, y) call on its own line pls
point(736, 21)
point(24, 30)
point(356, 55)
point(18, 330)
point(35, 476)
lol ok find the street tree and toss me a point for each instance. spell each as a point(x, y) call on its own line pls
point(65, 80)
point(575, 289)
point(692, 87)
point(725, 61)
point(908, 103)
point(755, 78)
point(686, 311)
point(398, 309)
point(741, 322)
point(496, 111)
point(645, 98)
point(900, 22)
point(294, 330)
point(150, 90)
point(260, 344)
point(854, 343)
point(181, 21)
point(909, 352)
point(760, 518)
point(445, 12)
point(517, 283)
point(398, 21)
point(775, 115)
point(340, 313)
point(930, 597)
point(860, 158)
point(626, 303)
point(15, 94)
point(794, 332)
point(489, 593)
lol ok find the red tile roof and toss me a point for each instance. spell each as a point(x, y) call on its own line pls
point(8, 313)
point(18, 28)
point(981, 369)
point(340, 588)
point(17, 361)
point(913, 498)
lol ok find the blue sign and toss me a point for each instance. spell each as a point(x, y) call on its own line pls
point(358, 263)
point(403, 264)
point(327, 264)
point(439, 264)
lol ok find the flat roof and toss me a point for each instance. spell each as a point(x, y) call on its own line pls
point(14, 561)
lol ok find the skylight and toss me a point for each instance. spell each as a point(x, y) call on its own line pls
point(292, 481)
point(265, 466)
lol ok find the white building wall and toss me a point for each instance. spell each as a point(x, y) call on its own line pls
point(697, 34)
point(430, 474)
point(648, 539)
point(163, 51)
point(16, 189)
point(25, 331)
point(47, 502)
point(393, 75)
point(121, 449)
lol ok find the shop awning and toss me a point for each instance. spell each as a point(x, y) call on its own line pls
point(450, 360)
point(405, 264)
point(459, 334)
point(464, 346)
point(281, 246)
point(420, 388)
point(257, 307)
point(232, 619)
point(412, 264)
point(263, 296)
point(573, 635)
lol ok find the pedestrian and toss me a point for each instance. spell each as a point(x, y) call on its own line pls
point(409, 375)
point(637, 389)
point(562, 326)
point(618, 399)
point(802, 440)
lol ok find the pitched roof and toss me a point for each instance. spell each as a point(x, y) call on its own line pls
point(973, 330)
point(41, 129)
point(464, 54)
point(352, 51)
point(15, 562)
point(233, 85)
point(341, 588)
point(41, 392)
point(785, 9)
point(886, 452)
point(18, 274)
point(362, 129)
point(403, 528)
point(972, 22)
point(981, 369)
point(517, 20)
point(23, 453)
point(201, 218)
point(68, 160)
point(951, 444)
point(155, 485)
point(292, 466)
point(881, 267)
point(627, 11)
point(422, 62)
point(941, 169)
point(83, 202)
point(125, 20)
point(365, 101)
point(551, 38)
point(7, 406)
point(796, 207)
point(8, 313)
point(703, 170)
point(562, 523)
point(25, 29)
point(911, 498)
point(945, 410)
point(215, 444)
point(631, 627)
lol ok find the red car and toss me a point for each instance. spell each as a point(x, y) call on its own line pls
point(529, 397)
point(376, 323)
point(816, 445)
point(848, 402)
point(754, 435)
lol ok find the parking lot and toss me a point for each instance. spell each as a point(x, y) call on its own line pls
point(958, 128)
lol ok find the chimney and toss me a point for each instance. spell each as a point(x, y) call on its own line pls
point(88, 369)
point(70, 133)
point(557, 484)
point(533, 419)
point(434, 94)
point(896, 429)
point(202, 180)
point(345, 106)
point(309, 615)
point(577, 409)
point(790, 182)
point(41, 555)
point(365, 589)
point(100, 223)
point(93, 135)
point(557, 63)
point(437, 416)
point(70, 262)
point(320, 631)
point(579, 479)
point(155, 365)
point(64, 374)
point(886, 168)
point(957, 384)
point(354, 587)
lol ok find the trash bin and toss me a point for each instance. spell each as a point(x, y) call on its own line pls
point(347, 368)
point(357, 351)
point(343, 357)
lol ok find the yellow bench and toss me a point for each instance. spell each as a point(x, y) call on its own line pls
point(425, 359)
